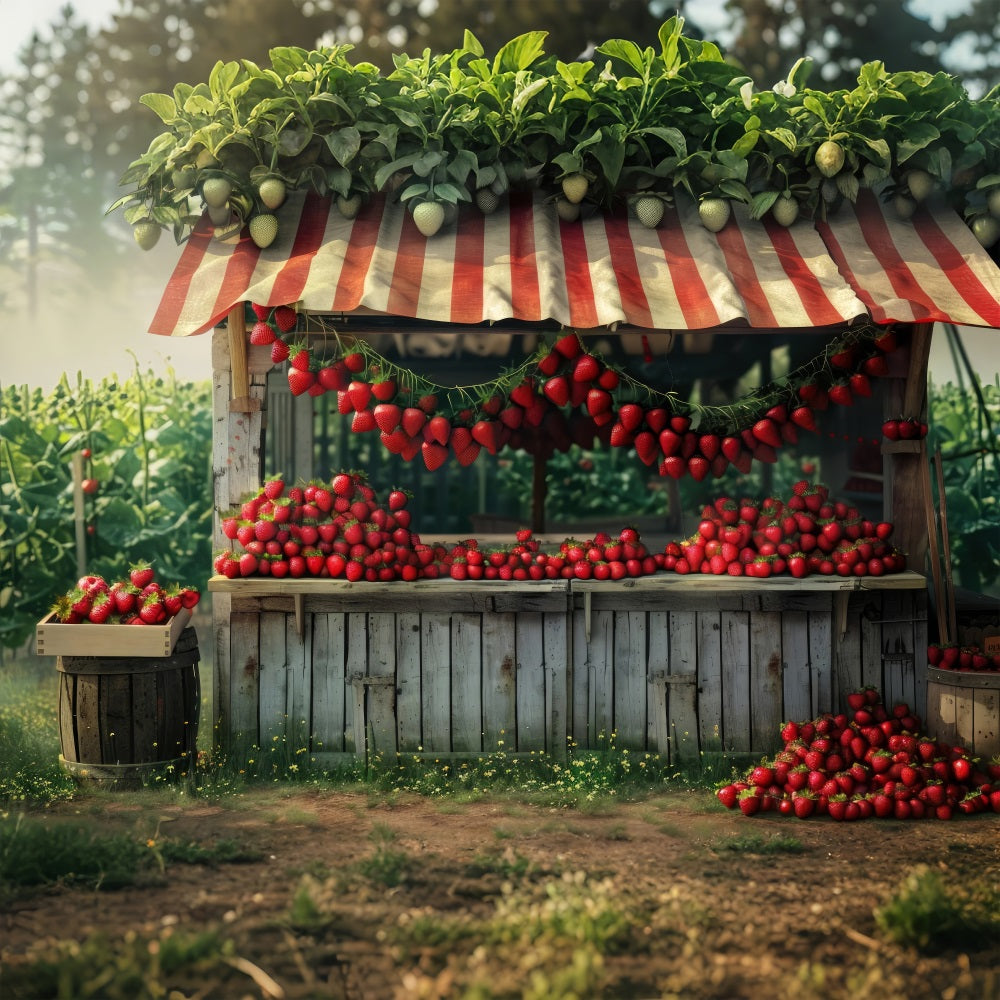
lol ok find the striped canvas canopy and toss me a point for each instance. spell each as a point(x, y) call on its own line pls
point(524, 263)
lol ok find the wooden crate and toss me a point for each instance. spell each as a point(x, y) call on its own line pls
point(53, 638)
point(963, 709)
point(437, 667)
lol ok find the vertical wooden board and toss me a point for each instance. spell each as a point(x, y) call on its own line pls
point(683, 696)
point(499, 678)
point(766, 708)
point(274, 677)
point(985, 738)
point(557, 656)
point(382, 692)
point(600, 679)
point(871, 649)
point(408, 732)
point(847, 657)
point(466, 683)
point(796, 668)
point(530, 679)
point(736, 680)
point(964, 715)
point(220, 713)
point(170, 694)
point(116, 718)
point(918, 609)
point(630, 679)
point(435, 681)
point(657, 688)
point(244, 684)
point(67, 713)
point(709, 680)
point(897, 646)
point(329, 685)
point(581, 693)
point(941, 711)
point(820, 662)
point(356, 667)
point(298, 692)
point(88, 706)
point(146, 731)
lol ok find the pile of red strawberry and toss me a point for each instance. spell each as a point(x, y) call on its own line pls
point(807, 533)
point(137, 600)
point(533, 409)
point(868, 762)
point(904, 429)
point(951, 656)
point(341, 530)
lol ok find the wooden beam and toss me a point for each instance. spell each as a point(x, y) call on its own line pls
point(241, 402)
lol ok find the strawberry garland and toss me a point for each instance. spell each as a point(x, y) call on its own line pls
point(565, 394)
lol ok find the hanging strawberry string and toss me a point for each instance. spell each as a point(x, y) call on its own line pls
point(565, 394)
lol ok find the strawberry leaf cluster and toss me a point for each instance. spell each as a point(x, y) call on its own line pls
point(870, 762)
point(631, 126)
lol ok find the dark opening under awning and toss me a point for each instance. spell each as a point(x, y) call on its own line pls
point(524, 263)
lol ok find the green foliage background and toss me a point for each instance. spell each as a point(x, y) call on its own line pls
point(150, 439)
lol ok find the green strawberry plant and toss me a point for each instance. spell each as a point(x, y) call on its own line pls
point(147, 442)
point(440, 128)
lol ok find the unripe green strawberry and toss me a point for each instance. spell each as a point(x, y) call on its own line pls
point(567, 211)
point(184, 179)
point(575, 187)
point(993, 201)
point(487, 200)
point(714, 213)
point(349, 207)
point(428, 216)
point(920, 183)
point(986, 229)
point(146, 233)
point(206, 160)
point(649, 211)
point(829, 158)
point(216, 191)
point(785, 210)
point(272, 192)
point(263, 230)
point(904, 206)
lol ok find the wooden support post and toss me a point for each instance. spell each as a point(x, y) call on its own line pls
point(241, 401)
point(79, 515)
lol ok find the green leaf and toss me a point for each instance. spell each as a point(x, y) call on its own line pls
point(628, 52)
point(344, 144)
point(762, 202)
point(917, 136)
point(520, 53)
point(163, 105)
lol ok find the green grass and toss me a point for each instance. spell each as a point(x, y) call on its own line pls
point(759, 843)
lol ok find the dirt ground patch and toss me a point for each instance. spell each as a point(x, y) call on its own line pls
point(358, 896)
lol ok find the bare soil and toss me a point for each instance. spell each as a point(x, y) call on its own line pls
point(702, 919)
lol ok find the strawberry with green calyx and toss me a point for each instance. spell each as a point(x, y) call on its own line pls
point(285, 318)
point(829, 158)
point(262, 334)
point(300, 380)
point(279, 351)
point(141, 574)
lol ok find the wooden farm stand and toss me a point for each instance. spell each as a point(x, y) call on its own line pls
point(674, 664)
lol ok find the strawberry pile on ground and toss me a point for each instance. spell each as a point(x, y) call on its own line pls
point(951, 656)
point(870, 762)
point(341, 530)
point(137, 599)
point(568, 395)
point(806, 533)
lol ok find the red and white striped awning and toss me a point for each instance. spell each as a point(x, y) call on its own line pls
point(524, 263)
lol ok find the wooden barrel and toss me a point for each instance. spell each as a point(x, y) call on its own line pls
point(124, 718)
point(963, 709)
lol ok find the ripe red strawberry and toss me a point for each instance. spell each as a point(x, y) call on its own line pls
point(262, 334)
point(141, 574)
point(387, 416)
point(190, 597)
point(890, 429)
point(153, 611)
point(646, 447)
point(556, 390)
point(876, 366)
point(101, 609)
point(631, 416)
point(586, 369)
point(860, 386)
point(728, 795)
point(802, 416)
point(804, 804)
point(569, 346)
point(749, 802)
point(285, 318)
point(279, 351)
point(766, 431)
point(840, 394)
point(709, 445)
point(300, 381)
point(672, 465)
point(300, 358)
